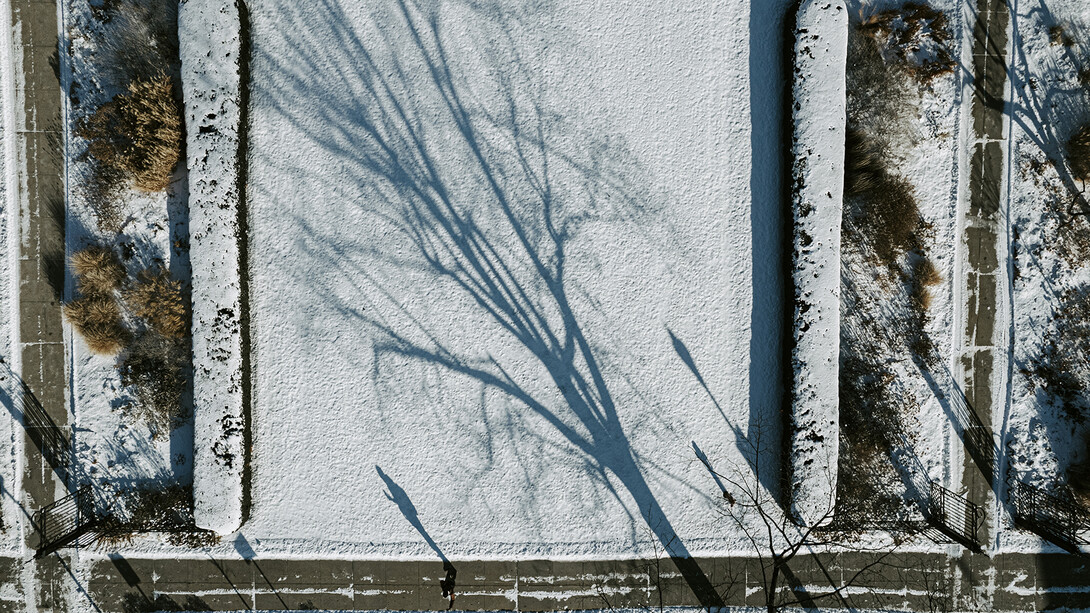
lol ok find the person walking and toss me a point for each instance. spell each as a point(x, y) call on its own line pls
point(447, 584)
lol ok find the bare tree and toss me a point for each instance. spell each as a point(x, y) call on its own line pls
point(778, 541)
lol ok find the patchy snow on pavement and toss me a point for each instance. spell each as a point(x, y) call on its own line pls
point(10, 428)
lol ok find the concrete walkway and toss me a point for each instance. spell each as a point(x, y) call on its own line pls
point(41, 260)
point(982, 353)
point(920, 582)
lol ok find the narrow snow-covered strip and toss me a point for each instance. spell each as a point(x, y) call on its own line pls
point(209, 40)
point(821, 48)
point(11, 465)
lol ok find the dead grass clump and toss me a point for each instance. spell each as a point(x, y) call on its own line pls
point(863, 166)
point(98, 320)
point(924, 276)
point(1078, 480)
point(926, 273)
point(158, 300)
point(868, 421)
point(154, 367)
point(138, 134)
point(1057, 35)
point(1078, 153)
point(101, 187)
point(917, 36)
point(890, 217)
point(98, 270)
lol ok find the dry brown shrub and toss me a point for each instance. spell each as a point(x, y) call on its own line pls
point(1078, 153)
point(1078, 479)
point(158, 300)
point(917, 35)
point(138, 133)
point(98, 320)
point(98, 270)
point(926, 273)
point(889, 217)
point(155, 368)
point(864, 169)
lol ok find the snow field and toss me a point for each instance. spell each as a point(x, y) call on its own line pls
point(1041, 437)
point(821, 48)
point(497, 294)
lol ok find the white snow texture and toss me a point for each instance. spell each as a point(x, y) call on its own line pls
point(818, 194)
point(210, 46)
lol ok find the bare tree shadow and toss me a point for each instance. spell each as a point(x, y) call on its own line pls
point(486, 187)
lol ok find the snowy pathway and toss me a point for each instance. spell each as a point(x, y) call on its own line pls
point(41, 261)
point(982, 354)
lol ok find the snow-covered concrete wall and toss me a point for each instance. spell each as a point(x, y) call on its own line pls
point(821, 45)
point(210, 48)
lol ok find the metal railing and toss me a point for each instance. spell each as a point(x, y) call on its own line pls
point(64, 521)
point(955, 516)
point(1057, 519)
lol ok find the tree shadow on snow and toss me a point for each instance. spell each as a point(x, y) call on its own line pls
point(486, 189)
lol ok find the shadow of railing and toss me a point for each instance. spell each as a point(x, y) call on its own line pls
point(976, 436)
point(50, 440)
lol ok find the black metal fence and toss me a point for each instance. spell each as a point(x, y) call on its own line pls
point(955, 516)
point(1055, 518)
point(64, 521)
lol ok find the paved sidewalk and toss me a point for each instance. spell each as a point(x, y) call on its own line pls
point(980, 355)
point(41, 266)
point(920, 582)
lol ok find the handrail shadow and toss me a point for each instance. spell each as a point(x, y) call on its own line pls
point(50, 440)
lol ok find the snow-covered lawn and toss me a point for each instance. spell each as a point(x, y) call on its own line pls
point(502, 264)
point(1045, 428)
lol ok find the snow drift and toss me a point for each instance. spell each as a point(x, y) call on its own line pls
point(210, 47)
point(821, 45)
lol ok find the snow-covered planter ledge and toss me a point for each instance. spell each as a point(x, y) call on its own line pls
point(210, 45)
point(821, 49)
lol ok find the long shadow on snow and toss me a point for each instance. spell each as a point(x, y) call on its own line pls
point(770, 32)
point(471, 185)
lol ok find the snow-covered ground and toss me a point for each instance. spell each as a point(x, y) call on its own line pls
point(1045, 426)
point(817, 147)
point(502, 268)
point(884, 366)
point(10, 432)
point(114, 450)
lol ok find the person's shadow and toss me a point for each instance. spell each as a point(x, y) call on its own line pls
point(398, 496)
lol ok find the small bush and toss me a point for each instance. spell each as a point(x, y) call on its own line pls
point(155, 367)
point(863, 166)
point(158, 300)
point(98, 270)
point(924, 276)
point(1057, 35)
point(98, 320)
point(1078, 153)
point(138, 133)
point(917, 36)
